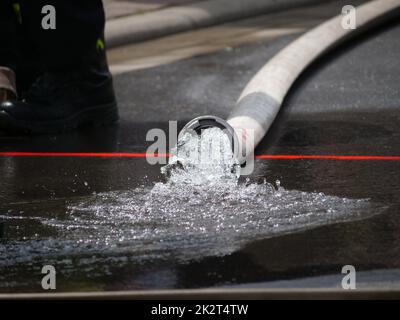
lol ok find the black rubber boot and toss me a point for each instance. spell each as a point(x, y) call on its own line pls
point(63, 101)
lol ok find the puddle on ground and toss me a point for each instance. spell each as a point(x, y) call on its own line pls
point(200, 210)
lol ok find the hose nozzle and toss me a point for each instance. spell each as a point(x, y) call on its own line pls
point(199, 124)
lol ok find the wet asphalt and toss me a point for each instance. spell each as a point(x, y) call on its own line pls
point(348, 103)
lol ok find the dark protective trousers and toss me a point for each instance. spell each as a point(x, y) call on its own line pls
point(29, 49)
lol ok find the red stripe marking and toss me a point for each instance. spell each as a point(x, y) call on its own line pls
point(328, 157)
point(144, 155)
point(82, 154)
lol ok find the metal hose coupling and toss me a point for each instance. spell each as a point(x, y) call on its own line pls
point(199, 124)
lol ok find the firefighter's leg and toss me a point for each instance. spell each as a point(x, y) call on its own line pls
point(75, 87)
point(8, 49)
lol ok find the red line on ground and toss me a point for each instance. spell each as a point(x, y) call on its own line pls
point(327, 157)
point(82, 154)
point(144, 155)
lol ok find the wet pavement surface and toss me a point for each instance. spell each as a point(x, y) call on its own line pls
point(346, 104)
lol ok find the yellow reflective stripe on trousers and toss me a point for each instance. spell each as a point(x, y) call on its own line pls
point(17, 9)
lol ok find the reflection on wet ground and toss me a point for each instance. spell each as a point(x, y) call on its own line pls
point(90, 216)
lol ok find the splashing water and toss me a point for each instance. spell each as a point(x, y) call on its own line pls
point(201, 210)
point(205, 160)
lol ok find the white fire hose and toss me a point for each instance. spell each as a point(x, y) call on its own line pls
point(262, 98)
